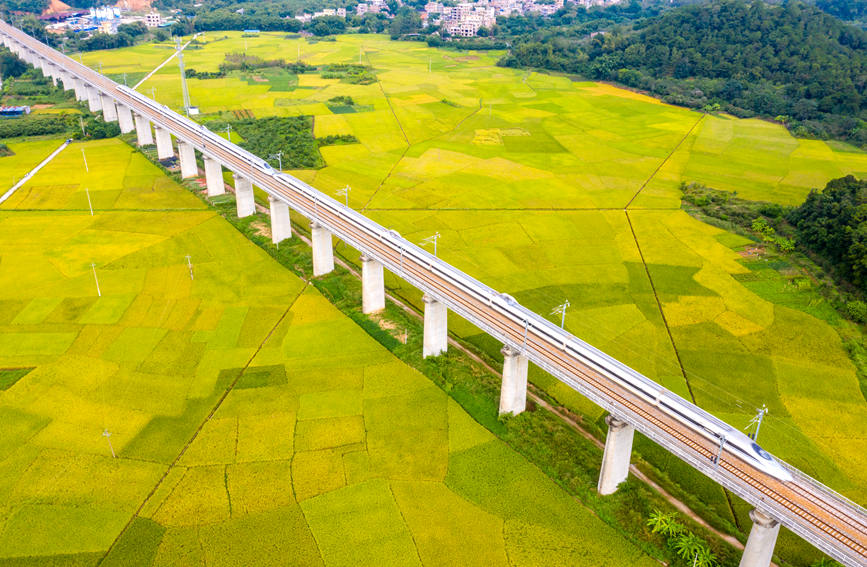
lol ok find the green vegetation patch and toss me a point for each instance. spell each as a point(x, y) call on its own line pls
point(291, 136)
point(9, 376)
point(351, 73)
point(262, 376)
point(138, 546)
point(360, 525)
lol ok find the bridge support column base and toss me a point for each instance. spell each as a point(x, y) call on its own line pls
point(763, 538)
point(323, 254)
point(281, 225)
point(144, 136)
point(68, 81)
point(436, 330)
point(615, 459)
point(164, 143)
point(80, 90)
point(214, 177)
point(93, 101)
point(372, 285)
point(245, 203)
point(109, 111)
point(513, 391)
point(187, 155)
point(124, 119)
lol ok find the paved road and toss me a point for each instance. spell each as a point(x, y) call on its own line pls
point(33, 171)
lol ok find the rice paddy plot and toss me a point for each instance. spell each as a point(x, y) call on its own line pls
point(137, 60)
point(327, 450)
point(108, 173)
point(758, 160)
point(25, 156)
point(729, 337)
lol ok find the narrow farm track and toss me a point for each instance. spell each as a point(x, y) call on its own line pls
point(822, 517)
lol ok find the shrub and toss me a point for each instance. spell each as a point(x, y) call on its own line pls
point(857, 311)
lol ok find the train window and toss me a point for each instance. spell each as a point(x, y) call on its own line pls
point(762, 453)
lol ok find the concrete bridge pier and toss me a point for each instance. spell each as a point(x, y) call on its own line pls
point(68, 81)
point(436, 327)
point(214, 177)
point(109, 111)
point(513, 392)
point(187, 155)
point(80, 90)
point(763, 538)
point(323, 254)
point(124, 119)
point(144, 136)
point(49, 71)
point(245, 202)
point(615, 459)
point(93, 101)
point(164, 143)
point(372, 285)
point(281, 225)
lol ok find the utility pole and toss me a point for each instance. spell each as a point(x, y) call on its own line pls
point(190, 264)
point(95, 279)
point(107, 434)
point(81, 123)
point(84, 156)
point(89, 204)
point(345, 193)
point(183, 76)
point(432, 238)
point(561, 310)
point(229, 132)
point(279, 157)
point(722, 443)
point(757, 420)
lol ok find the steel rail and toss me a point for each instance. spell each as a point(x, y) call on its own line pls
point(818, 514)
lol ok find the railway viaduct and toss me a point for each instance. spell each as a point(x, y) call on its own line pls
point(826, 519)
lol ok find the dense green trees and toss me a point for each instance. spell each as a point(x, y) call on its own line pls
point(406, 21)
point(789, 60)
point(847, 10)
point(10, 65)
point(31, 6)
point(32, 126)
point(291, 135)
point(833, 224)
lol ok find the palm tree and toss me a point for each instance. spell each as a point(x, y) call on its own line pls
point(665, 523)
point(690, 546)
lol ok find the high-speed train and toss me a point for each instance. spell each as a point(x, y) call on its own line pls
point(722, 435)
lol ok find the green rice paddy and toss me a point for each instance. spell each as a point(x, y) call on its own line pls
point(252, 421)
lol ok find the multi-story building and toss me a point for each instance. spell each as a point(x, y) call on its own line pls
point(153, 20)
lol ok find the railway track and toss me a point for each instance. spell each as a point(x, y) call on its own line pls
point(818, 514)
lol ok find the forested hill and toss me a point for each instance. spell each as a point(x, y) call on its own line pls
point(792, 61)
